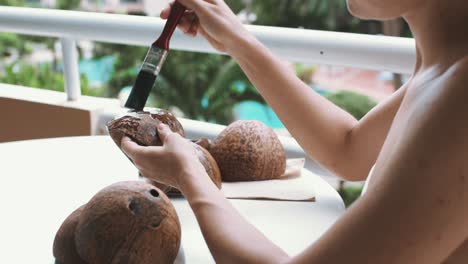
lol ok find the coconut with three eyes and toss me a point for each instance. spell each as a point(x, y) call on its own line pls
point(124, 223)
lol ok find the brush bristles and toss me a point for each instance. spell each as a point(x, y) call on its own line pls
point(141, 90)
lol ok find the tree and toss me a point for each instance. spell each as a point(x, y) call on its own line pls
point(128, 60)
point(202, 86)
point(68, 4)
point(12, 2)
point(206, 90)
point(42, 77)
point(310, 14)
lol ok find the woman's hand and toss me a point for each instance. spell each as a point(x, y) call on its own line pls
point(175, 163)
point(214, 20)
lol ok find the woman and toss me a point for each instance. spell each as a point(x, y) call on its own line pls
point(416, 206)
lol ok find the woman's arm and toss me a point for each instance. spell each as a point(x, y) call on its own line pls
point(230, 238)
point(328, 134)
point(414, 213)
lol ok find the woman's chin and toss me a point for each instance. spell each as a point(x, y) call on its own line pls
point(361, 10)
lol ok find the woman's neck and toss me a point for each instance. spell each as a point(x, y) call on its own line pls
point(441, 32)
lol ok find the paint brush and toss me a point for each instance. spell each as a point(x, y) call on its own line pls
point(154, 60)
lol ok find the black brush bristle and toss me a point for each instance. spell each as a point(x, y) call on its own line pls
point(140, 91)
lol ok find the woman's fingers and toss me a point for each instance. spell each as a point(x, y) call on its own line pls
point(164, 131)
point(217, 45)
point(195, 5)
point(141, 156)
point(194, 23)
point(166, 11)
point(130, 148)
point(185, 23)
point(188, 23)
point(189, 4)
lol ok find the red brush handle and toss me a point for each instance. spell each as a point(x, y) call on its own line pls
point(177, 11)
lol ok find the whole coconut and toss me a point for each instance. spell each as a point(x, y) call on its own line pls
point(248, 151)
point(208, 162)
point(128, 222)
point(64, 243)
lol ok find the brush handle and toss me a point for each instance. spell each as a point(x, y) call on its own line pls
point(177, 11)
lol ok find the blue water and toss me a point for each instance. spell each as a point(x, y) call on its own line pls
point(98, 71)
point(251, 110)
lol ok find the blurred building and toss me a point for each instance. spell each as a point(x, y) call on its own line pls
point(41, 3)
point(139, 7)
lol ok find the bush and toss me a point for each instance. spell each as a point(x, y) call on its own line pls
point(356, 104)
point(42, 77)
point(305, 73)
point(349, 194)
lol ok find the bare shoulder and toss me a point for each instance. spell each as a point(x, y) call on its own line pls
point(415, 210)
point(427, 171)
point(456, 76)
point(461, 64)
point(448, 93)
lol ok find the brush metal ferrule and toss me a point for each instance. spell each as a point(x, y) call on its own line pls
point(154, 60)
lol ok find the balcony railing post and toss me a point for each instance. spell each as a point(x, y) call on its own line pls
point(70, 69)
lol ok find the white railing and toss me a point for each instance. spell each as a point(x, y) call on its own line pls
point(297, 45)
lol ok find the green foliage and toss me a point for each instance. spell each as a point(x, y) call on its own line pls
point(42, 77)
point(236, 5)
point(60, 4)
point(68, 4)
point(9, 41)
point(128, 60)
point(350, 194)
point(12, 2)
point(312, 14)
point(305, 73)
point(356, 104)
point(316, 14)
point(204, 86)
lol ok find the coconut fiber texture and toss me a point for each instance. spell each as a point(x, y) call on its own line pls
point(248, 151)
point(141, 127)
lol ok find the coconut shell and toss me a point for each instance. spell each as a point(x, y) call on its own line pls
point(210, 165)
point(248, 151)
point(128, 222)
point(141, 127)
point(167, 118)
point(64, 243)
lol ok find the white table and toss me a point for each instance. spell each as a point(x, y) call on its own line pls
point(43, 181)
